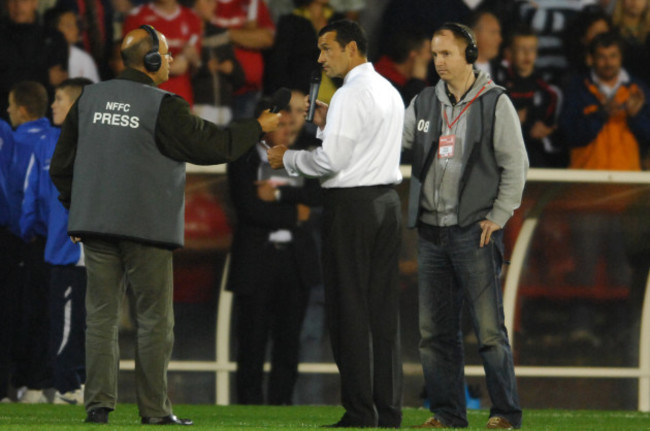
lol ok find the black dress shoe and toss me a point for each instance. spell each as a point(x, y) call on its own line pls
point(98, 415)
point(167, 420)
point(346, 424)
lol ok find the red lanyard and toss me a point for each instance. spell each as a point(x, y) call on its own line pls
point(444, 111)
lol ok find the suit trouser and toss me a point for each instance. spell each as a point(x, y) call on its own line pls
point(150, 275)
point(361, 240)
point(275, 310)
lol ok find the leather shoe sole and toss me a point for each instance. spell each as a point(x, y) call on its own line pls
point(166, 420)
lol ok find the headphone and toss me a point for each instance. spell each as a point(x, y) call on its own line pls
point(152, 60)
point(471, 51)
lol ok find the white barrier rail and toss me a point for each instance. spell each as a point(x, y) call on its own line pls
point(222, 366)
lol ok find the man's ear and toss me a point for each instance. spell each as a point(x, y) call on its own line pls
point(353, 47)
point(24, 113)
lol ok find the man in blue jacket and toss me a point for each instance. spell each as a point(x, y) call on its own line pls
point(7, 260)
point(27, 107)
point(65, 258)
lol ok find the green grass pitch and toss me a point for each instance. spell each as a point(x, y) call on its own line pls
point(248, 418)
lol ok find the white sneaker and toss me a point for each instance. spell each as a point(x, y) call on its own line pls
point(33, 396)
point(74, 398)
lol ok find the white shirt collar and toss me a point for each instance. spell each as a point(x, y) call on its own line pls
point(623, 77)
point(358, 70)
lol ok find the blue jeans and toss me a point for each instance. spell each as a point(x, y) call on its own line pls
point(453, 269)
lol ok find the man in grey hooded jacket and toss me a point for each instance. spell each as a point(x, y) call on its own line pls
point(469, 170)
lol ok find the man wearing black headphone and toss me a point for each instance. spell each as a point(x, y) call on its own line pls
point(119, 166)
point(468, 175)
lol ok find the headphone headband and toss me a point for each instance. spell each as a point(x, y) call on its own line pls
point(471, 51)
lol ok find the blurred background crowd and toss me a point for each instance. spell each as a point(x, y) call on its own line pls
point(577, 71)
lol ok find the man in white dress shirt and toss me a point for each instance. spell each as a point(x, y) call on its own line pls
point(358, 165)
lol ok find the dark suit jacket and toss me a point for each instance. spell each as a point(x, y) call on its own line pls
point(256, 219)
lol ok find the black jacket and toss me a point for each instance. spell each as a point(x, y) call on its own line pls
point(256, 219)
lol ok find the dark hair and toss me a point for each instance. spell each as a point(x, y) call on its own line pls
point(74, 86)
point(301, 3)
point(348, 31)
point(403, 42)
point(588, 16)
point(266, 102)
point(478, 14)
point(52, 17)
point(605, 40)
point(520, 31)
point(133, 56)
point(32, 95)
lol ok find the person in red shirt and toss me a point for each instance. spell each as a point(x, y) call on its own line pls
point(250, 29)
point(183, 30)
point(406, 63)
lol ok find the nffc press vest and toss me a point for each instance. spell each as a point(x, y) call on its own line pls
point(122, 185)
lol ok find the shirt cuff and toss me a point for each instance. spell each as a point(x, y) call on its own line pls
point(289, 162)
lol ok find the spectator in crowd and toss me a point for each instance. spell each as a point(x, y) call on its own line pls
point(549, 19)
point(487, 29)
point(350, 9)
point(535, 101)
point(586, 25)
point(303, 134)
point(293, 58)
point(30, 51)
point(423, 16)
point(9, 258)
point(220, 72)
point(371, 19)
point(95, 181)
point(251, 30)
point(274, 265)
point(605, 122)
point(469, 171)
point(80, 63)
point(607, 5)
point(67, 284)
point(27, 107)
point(406, 63)
point(605, 116)
point(97, 31)
point(632, 19)
point(183, 30)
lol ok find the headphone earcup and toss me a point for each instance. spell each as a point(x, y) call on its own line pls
point(152, 61)
point(471, 53)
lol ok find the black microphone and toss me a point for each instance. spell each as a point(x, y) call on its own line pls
point(280, 100)
point(314, 86)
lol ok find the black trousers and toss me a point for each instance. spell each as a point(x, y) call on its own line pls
point(275, 311)
point(67, 326)
point(361, 241)
point(30, 355)
point(11, 252)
